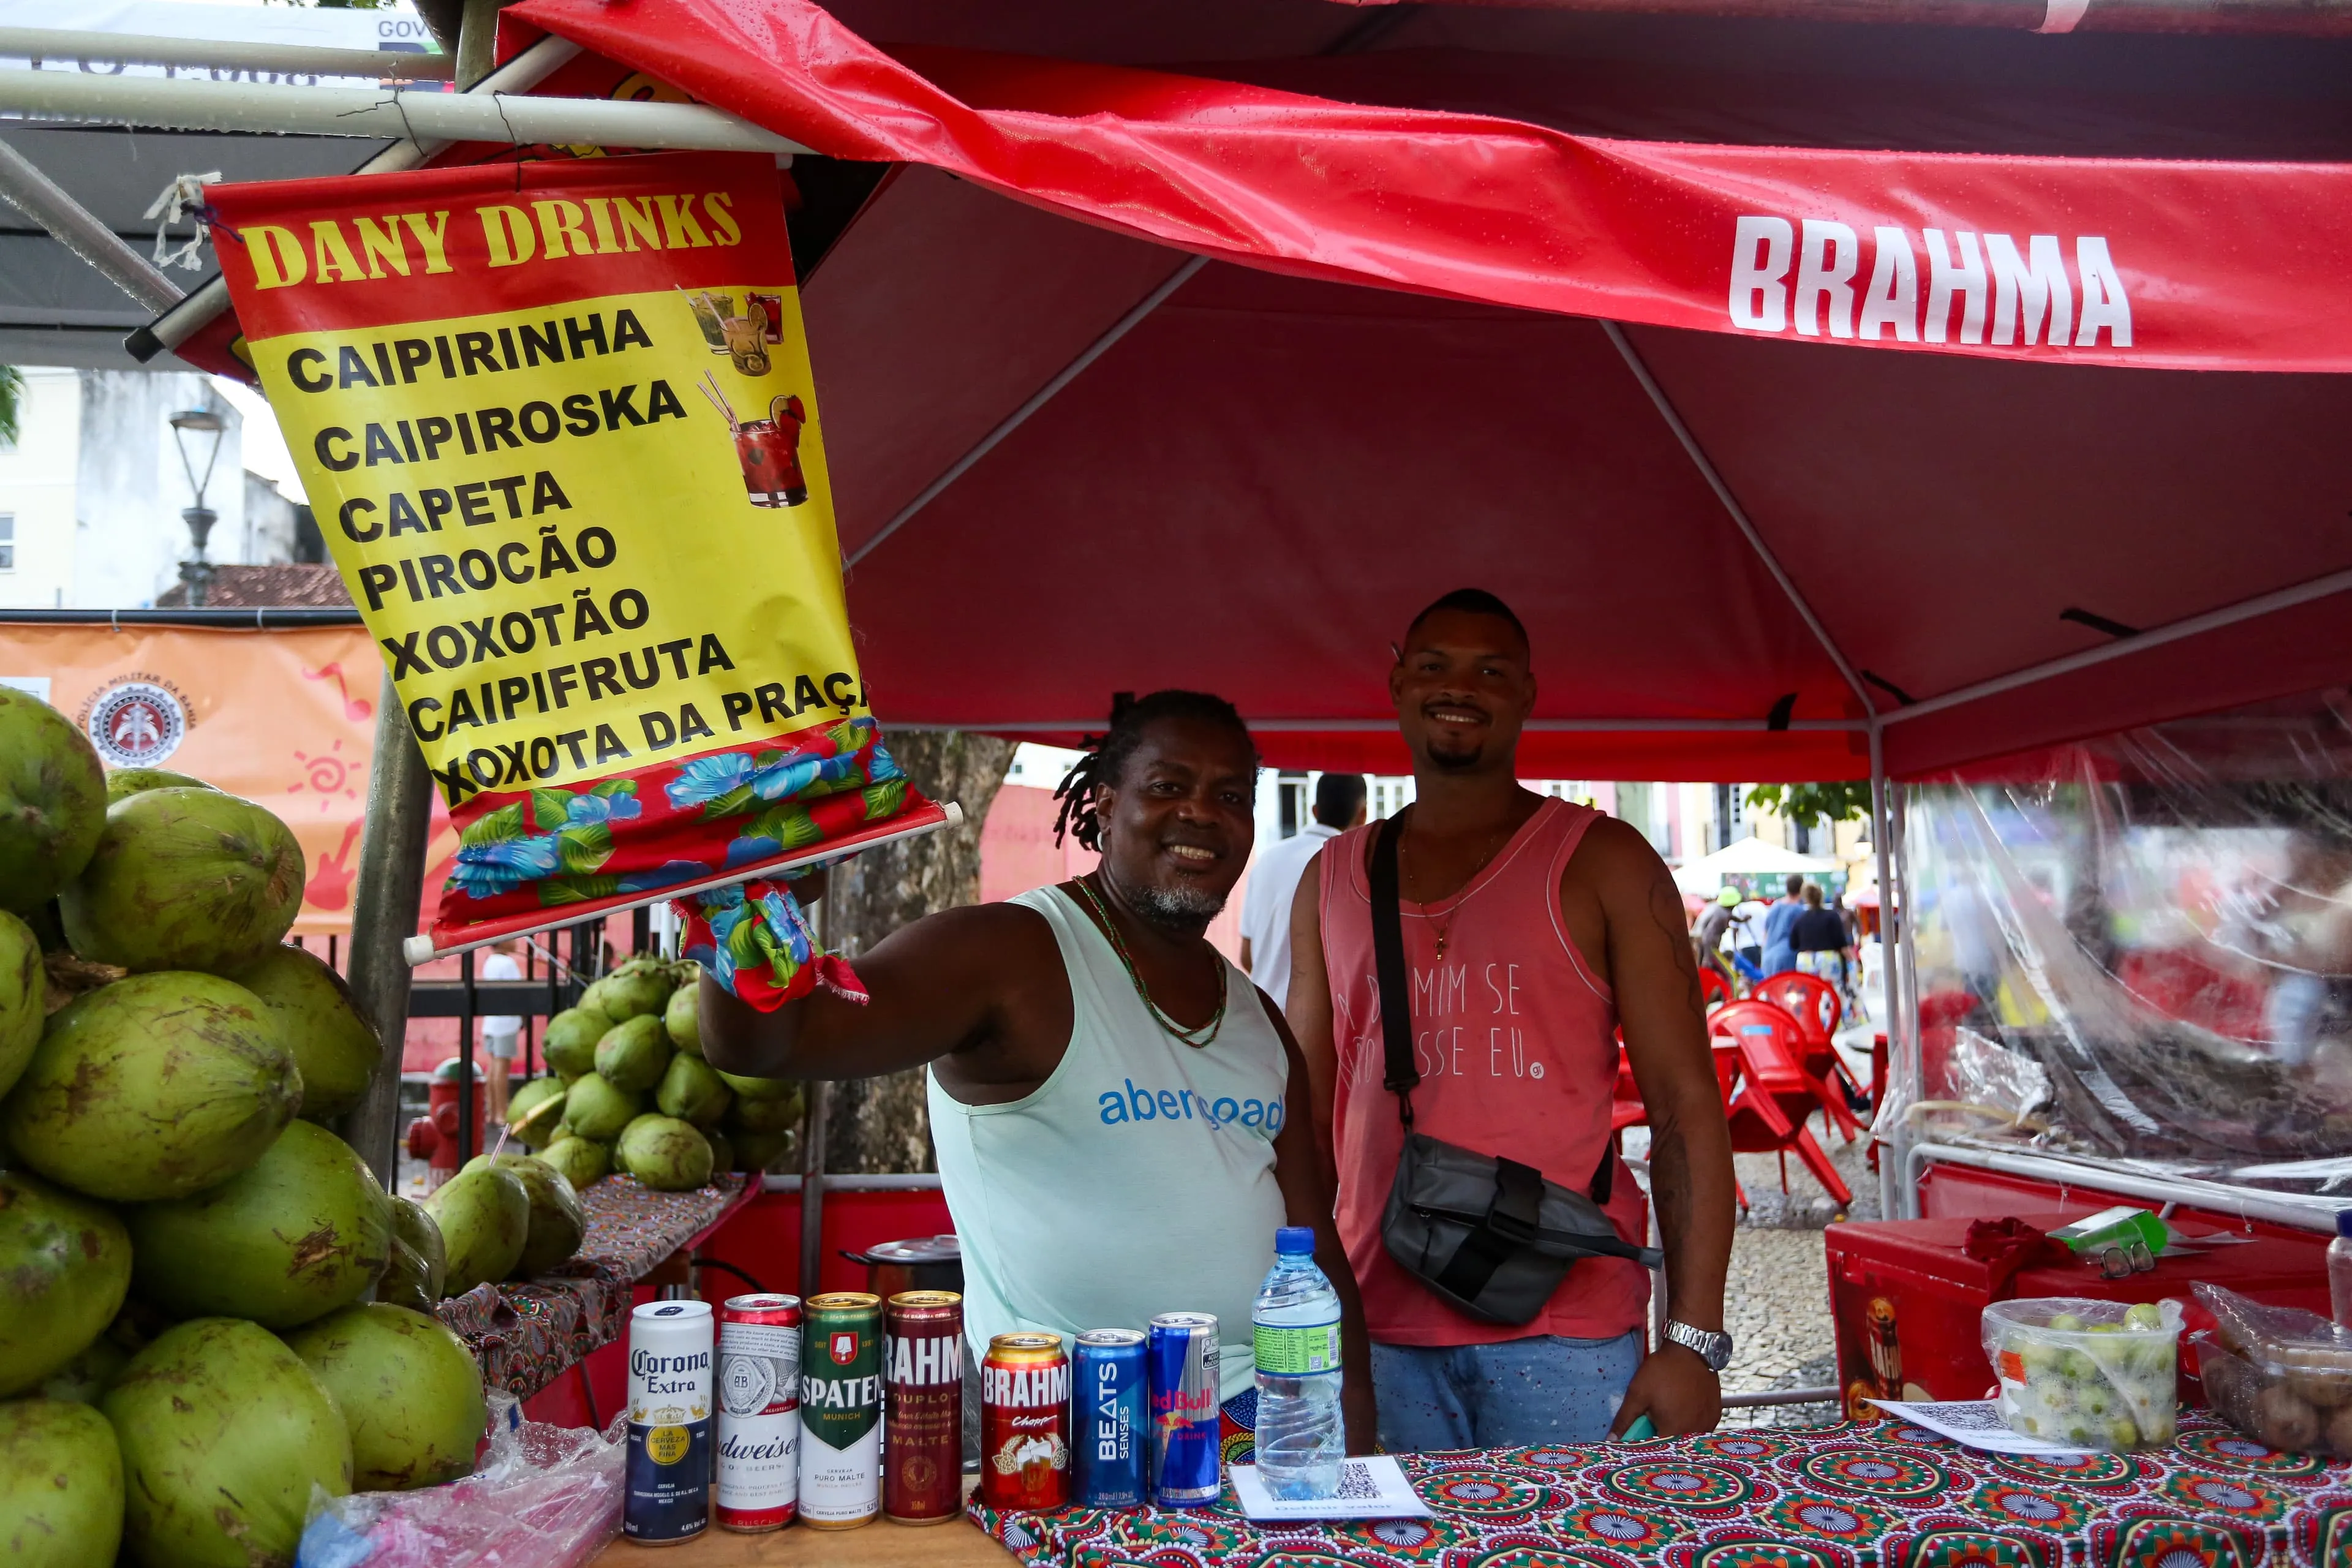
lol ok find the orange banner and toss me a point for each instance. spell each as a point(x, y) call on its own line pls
point(286, 719)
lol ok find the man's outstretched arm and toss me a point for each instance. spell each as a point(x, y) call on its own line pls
point(1663, 1014)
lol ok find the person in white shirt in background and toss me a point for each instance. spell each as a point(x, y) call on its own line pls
point(500, 1034)
point(1339, 805)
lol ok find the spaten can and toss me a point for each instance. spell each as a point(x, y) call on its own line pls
point(841, 1410)
point(1181, 1356)
point(1110, 1418)
point(666, 1495)
point(1024, 1423)
point(758, 1412)
point(922, 1451)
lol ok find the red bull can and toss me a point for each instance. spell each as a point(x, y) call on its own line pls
point(1180, 1360)
point(1111, 1417)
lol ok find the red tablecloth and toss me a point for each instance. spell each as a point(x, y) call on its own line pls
point(1882, 1496)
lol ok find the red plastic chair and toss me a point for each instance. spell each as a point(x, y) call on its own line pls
point(1714, 990)
point(1818, 1008)
point(1767, 1094)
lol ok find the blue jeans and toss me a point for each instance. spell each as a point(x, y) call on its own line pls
point(1513, 1393)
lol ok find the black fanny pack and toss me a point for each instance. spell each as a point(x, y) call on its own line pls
point(1487, 1233)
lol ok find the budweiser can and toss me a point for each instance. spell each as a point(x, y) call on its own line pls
point(1181, 1354)
point(922, 1451)
point(1110, 1418)
point(667, 1488)
point(1024, 1423)
point(758, 1412)
point(841, 1410)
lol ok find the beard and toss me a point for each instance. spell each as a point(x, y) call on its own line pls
point(1182, 909)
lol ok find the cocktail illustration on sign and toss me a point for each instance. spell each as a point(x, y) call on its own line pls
point(744, 338)
point(769, 449)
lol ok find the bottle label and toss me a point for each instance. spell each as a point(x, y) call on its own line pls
point(1298, 1352)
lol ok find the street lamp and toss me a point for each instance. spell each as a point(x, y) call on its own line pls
point(202, 423)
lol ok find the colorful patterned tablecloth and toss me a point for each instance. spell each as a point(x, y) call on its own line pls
point(526, 1334)
point(1883, 1496)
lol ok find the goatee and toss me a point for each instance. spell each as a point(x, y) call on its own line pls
point(1180, 910)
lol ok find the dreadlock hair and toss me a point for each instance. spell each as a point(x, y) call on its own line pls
point(1080, 790)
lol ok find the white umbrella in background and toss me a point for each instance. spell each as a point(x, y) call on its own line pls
point(1751, 857)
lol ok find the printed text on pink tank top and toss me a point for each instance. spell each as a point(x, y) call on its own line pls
point(1464, 1026)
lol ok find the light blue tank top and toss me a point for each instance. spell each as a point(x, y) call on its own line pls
point(1138, 1179)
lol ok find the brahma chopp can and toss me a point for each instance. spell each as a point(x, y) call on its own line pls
point(922, 1421)
point(1181, 1357)
point(665, 1497)
point(841, 1410)
point(1110, 1418)
point(758, 1412)
point(1024, 1422)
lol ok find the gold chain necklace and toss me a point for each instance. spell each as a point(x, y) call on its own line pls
point(1445, 931)
point(1197, 1038)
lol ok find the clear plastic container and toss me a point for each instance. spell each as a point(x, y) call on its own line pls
point(1299, 1439)
point(2091, 1374)
point(2339, 1270)
point(2281, 1376)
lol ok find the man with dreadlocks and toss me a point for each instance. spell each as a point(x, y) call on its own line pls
point(1121, 1117)
point(1537, 933)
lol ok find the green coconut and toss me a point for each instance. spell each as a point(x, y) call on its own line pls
point(682, 1018)
point(722, 1149)
point(633, 1054)
point(304, 1230)
point(409, 1390)
point(484, 1214)
point(569, 1043)
point(336, 1049)
point(764, 1115)
point(749, 1088)
point(155, 1087)
point(581, 1162)
point(415, 1228)
point(558, 1222)
point(65, 1263)
point(87, 1377)
point(121, 781)
point(60, 1485)
point(223, 1431)
point(184, 879)
point(596, 1109)
point(535, 1110)
point(666, 1153)
point(403, 1282)
point(52, 801)
point(23, 995)
point(758, 1150)
point(638, 987)
point(693, 1091)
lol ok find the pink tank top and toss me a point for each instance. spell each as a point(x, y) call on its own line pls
point(1515, 1039)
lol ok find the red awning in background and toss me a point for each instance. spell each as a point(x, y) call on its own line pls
point(1270, 466)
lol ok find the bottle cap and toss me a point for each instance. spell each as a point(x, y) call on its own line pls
point(2344, 1222)
point(1292, 1239)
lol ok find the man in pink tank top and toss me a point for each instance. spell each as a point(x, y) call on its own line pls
point(1534, 931)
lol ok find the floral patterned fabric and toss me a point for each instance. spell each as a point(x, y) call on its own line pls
point(526, 1334)
point(1884, 1496)
point(521, 854)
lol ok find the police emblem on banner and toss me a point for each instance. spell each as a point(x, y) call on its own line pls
point(136, 723)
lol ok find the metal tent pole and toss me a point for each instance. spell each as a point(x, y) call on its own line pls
point(384, 904)
point(219, 54)
point(78, 229)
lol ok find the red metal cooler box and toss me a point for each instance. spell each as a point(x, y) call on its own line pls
point(1908, 1300)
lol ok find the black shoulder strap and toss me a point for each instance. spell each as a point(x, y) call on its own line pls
point(1388, 964)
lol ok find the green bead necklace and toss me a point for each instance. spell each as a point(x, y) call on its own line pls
point(1196, 1038)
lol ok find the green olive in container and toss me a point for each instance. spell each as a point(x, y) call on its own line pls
point(2089, 1374)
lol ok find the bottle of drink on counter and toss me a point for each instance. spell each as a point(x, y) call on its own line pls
point(2339, 1269)
point(1300, 1440)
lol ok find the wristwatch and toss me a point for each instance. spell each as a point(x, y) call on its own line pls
point(1713, 1347)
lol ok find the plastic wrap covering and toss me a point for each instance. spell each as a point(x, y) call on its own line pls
point(2138, 950)
point(539, 1496)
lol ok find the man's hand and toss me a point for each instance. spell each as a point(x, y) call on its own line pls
point(1677, 1390)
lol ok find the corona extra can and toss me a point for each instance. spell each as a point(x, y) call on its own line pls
point(1110, 1418)
point(1180, 1355)
point(1024, 1423)
point(667, 1496)
point(758, 1412)
point(922, 1450)
point(841, 1410)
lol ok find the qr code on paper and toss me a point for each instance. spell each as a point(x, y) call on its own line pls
point(1356, 1483)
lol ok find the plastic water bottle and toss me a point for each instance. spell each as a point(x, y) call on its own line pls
point(1300, 1440)
point(2339, 1273)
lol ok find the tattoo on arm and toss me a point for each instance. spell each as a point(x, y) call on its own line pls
point(1666, 911)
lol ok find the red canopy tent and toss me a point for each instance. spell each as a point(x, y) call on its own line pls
point(1143, 424)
